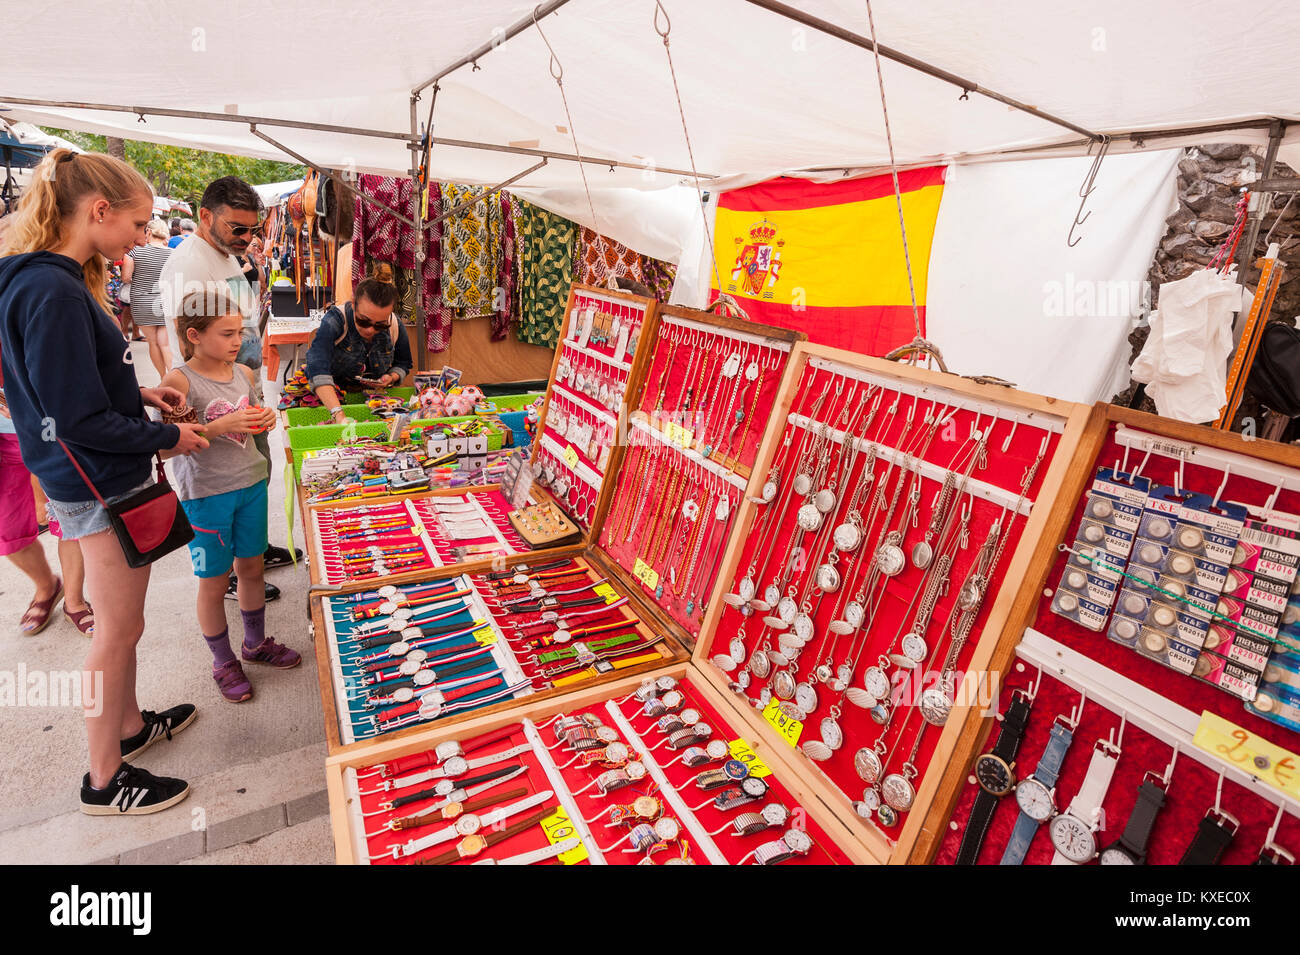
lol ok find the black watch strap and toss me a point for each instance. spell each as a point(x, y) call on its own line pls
point(1014, 722)
point(1137, 833)
point(1213, 835)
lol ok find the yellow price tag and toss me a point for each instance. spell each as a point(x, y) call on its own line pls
point(486, 636)
point(790, 729)
point(1270, 764)
point(645, 573)
point(558, 828)
point(605, 591)
point(570, 457)
point(745, 753)
point(679, 435)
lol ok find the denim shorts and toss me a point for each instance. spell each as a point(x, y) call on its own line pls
point(79, 519)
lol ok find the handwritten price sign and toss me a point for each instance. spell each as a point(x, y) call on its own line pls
point(745, 753)
point(790, 729)
point(1271, 765)
point(558, 828)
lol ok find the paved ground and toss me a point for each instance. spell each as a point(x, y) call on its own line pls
point(256, 769)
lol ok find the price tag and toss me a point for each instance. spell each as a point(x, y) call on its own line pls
point(606, 591)
point(679, 435)
point(571, 457)
point(1271, 765)
point(558, 828)
point(744, 752)
point(486, 636)
point(789, 729)
point(645, 573)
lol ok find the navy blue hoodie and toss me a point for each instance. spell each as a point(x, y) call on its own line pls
point(68, 374)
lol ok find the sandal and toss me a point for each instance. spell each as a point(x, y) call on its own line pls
point(37, 615)
point(83, 620)
point(232, 683)
point(276, 654)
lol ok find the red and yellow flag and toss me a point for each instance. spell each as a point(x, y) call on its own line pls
point(827, 259)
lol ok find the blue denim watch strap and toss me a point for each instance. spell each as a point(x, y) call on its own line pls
point(1047, 771)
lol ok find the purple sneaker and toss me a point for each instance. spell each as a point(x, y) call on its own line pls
point(232, 683)
point(276, 654)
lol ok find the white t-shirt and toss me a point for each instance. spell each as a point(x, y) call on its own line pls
point(197, 266)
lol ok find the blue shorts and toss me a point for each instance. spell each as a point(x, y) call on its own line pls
point(79, 519)
point(227, 526)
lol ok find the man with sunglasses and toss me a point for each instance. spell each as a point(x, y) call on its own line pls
point(230, 218)
point(358, 343)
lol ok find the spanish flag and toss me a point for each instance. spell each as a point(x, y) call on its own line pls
point(827, 259)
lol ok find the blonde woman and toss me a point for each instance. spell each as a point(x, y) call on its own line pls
point(70, 383)
point(140, 271)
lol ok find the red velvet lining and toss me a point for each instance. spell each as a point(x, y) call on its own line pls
point(714, 414)
point(1193, 788)
point(1005, 469)
point(824, 852)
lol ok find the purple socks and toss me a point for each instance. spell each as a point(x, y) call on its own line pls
point(254, 627)
point(220, 647)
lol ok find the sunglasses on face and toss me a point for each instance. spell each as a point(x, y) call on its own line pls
point(362, 322)
point(239, 231)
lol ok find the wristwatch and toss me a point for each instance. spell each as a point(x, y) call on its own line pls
point(1073, 832)
point(995, 774)
point(1131, 847)
point(1036, 796)
point(537, 855)
point(468, 824)
point(475, 843)
point(1214, 834)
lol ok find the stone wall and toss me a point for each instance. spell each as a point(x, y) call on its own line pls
point(1210, 179)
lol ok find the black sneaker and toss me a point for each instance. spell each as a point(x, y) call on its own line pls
point(232, 591)
point(280, 557)
point(132, 792)
point(156, 725)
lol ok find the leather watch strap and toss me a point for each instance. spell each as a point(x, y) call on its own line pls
point(399, 801)
point(471, 805)
point(1047, 771)
point(482, 841)
point(1086, 806)
point(1213, 835)
point(981, 815)
point(1137, 832)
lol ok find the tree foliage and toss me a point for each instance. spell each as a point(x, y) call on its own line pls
point(184, 173)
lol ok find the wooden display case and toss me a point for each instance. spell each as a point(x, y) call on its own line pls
point(1004, 612)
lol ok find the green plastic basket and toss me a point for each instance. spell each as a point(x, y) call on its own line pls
point(300, 417)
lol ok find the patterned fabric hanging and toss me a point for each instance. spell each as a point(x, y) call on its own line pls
point(545, 244)
point(437, 317)
point(507, 272)
point(660, 276)
point(471, 251)
point(603, 258)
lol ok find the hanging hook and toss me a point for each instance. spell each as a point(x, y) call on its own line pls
point(1227, 473)
point(1085, 190)
point(1006, 442)
point(1116, 742)
point(1178, 480)
point(1077, 713)
point(1272, 498)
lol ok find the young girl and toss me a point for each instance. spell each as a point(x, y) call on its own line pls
point(68, 374)
point(223, 488)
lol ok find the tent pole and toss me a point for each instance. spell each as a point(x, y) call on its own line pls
point(1264, 201)
point(519, 26)
point(966, 86)
point(408, 138)
point(417, 155)
point(324, 172)
point(487, 192)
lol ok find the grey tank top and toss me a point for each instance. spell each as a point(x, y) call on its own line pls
point(231, 462)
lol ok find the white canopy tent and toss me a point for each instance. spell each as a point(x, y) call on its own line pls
point(761, 93)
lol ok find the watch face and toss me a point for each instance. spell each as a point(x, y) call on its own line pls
point(445, 751)
point(783, 685)
point(876, 683)
point(799, 841)
point(408, 667)
point(935, 707)
point(671, 700)
point(456, 766)
point(471, 846)
point(754, 787)
point(666, 683)
point(468, 824)
point(716, 749)
point(993, 775)
point(607, 734)
point(403, 694)
point(635, 770)
point(769, 491)
point(444, 787)
point(870, 799)
point(914, 647)
point(786, 609)
point(689, 716)
point(747, 589)
point(803, 627)
point(735, 770)
point(412, 633)
point(617, 752)
point(647, 807)
point(1116, 856)
point(423, 677)
point(1034, 800)
point(805, 697)
point(736, 648)
point(396, 626)
point(667, 829)
point(561, 636)
point(759, 664)
point(774, 814)
point(832, 735)
point(702, 730)
point(399, 649)
point(1072, 838)
point(387, 591)
point(854, 613)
